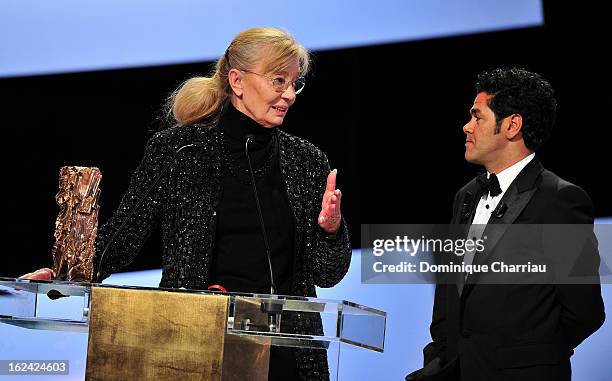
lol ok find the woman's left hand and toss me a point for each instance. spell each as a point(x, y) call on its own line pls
point(330, 217)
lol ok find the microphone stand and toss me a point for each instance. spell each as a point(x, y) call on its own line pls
point(273, 307)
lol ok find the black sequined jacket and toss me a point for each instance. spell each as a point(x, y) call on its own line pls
point(184, 201)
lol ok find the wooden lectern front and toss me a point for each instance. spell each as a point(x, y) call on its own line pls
point(139, 333)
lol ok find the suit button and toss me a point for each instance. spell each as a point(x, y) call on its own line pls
point(466, 333)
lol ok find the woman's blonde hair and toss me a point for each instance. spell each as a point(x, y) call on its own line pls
point(202, 97)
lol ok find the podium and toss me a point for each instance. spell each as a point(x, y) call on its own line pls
point(169, 334)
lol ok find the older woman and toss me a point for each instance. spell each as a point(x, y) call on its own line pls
point(211, 228)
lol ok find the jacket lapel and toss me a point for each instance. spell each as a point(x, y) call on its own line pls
point(469, 201)
point(511, 205)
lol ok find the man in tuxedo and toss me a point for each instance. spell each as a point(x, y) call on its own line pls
point(513, 330)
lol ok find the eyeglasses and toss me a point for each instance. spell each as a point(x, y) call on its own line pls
point(280, 84)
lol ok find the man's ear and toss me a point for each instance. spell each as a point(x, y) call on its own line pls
point(514, 127)
point(234, 76)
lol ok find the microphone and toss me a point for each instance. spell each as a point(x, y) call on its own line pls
point(500, 210)
point(137, 207)
point(271, 307)
point(249, 138)
point(465, 208)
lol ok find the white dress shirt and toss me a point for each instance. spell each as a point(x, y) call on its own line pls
point(487, 204)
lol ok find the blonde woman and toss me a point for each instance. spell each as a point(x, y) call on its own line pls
point(205, 202)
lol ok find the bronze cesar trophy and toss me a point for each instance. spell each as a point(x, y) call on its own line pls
point(76, 224)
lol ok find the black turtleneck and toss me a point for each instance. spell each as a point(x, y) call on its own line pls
point(240, 263)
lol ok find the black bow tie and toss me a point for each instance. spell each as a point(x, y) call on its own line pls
point(490, 185)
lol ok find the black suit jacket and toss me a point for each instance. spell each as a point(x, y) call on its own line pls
point(523, 331)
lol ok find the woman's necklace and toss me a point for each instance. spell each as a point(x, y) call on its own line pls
point(241, 173)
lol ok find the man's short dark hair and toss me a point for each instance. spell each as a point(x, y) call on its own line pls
point(518, 91)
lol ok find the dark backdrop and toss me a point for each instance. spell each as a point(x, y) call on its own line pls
point(389, 117)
